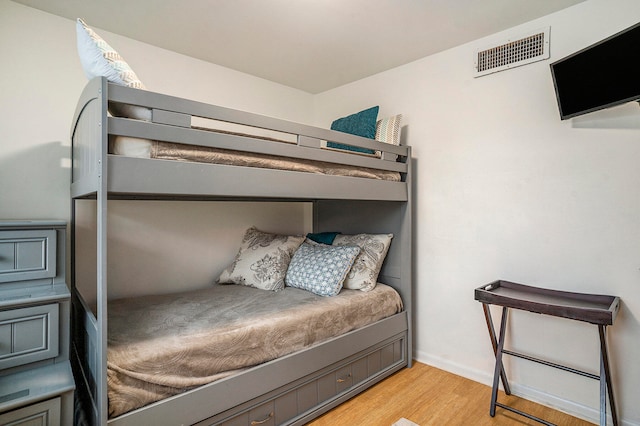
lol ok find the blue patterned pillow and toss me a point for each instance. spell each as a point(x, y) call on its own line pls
point(320, 269)
point(362, 124)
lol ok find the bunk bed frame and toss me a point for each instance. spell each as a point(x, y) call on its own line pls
point(290, 390)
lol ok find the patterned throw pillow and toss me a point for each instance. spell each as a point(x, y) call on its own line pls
point(366, 268)
point(98, 59)
point(388, 130)
point(319, 268)
point(262, 260)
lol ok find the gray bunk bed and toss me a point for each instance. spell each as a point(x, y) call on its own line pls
point(292, 389)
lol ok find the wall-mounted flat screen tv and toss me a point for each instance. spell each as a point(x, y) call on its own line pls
point(600, 76)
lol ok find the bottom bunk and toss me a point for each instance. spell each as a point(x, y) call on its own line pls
point(296, 382)
point(163, 345)
point(291, 389)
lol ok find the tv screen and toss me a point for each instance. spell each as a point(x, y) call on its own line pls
point(599, 76)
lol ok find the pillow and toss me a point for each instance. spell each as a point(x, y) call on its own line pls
point(262, 260)
point(319, 268)
point(323, 237)
point(388, 130)
point(362, 124)
point(374, 247)
point(130, 147)
point(98, 59)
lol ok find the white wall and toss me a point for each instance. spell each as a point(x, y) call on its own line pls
point(164, 246)
point(506, 190)
point(40, 81)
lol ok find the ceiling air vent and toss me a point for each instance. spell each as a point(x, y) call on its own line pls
point(513, 53)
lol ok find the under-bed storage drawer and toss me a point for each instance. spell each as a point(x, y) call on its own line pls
point(28, 335)
point(263, 415)
point(45, 413)
point(292, 404)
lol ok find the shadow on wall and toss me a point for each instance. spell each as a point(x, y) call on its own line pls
point(625, 116)
point(34, 182)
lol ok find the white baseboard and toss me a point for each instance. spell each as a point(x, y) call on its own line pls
point(577, 410)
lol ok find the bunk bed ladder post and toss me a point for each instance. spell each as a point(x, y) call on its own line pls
point(101, 241)
point(408, 258)
point(73, 353)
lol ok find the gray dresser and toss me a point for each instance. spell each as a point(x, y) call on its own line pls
point(36, 382)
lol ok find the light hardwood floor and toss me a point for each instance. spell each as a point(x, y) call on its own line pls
point(429, 396)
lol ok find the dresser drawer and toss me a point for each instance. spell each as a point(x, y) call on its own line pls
point(28, 335)
point(27, 255)
point(46, 413)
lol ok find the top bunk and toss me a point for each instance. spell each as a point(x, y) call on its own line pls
point(136, 144)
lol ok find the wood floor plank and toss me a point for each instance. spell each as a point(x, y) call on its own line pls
point(428, 396)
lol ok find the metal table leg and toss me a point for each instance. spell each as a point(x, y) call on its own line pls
point(499, 372)
point(494, 344)
point(605, 381)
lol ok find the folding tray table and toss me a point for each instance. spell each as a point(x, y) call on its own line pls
point(595, 309)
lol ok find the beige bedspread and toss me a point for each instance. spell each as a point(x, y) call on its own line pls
point(164, 345)
point(175, 151)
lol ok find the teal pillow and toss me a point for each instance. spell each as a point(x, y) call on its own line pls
point(320, 269)
point(362, 124)
point(323, 237)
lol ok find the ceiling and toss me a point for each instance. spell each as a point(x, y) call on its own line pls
point(311, 45)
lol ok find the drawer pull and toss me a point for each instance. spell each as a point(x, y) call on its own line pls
point(342, 380)
point(260, 422)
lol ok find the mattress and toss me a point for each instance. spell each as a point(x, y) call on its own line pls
point(145, 148)
point(163, 345)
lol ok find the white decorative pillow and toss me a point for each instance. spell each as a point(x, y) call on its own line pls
point(373, 249)
point(262, 260)
point(319, 268)
point(388, 131)
point(98, 59)
point(130, 147)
